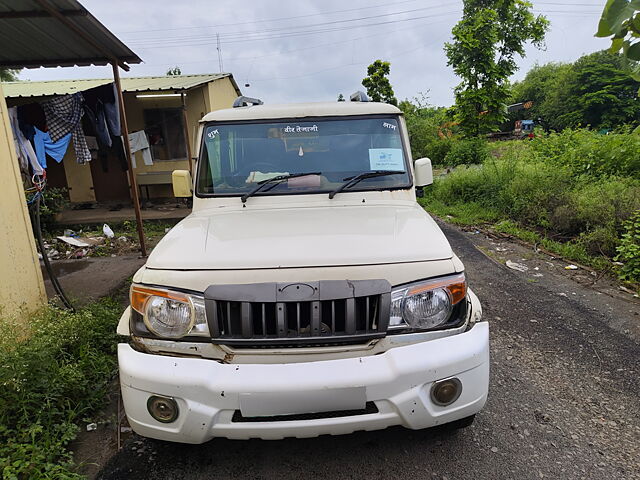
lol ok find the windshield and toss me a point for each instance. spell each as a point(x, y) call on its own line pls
point(235, 157)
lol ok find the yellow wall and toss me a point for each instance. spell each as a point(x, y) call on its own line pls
point(21, 285)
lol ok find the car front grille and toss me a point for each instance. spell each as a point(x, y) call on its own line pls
point(298, 314)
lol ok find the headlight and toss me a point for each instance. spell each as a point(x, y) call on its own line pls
point(167, 314)
point(428, 304)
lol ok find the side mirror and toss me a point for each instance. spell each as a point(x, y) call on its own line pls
point(423, 172)
point(181, 180)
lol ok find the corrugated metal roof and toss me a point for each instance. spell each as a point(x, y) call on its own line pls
point(131, 84)
point(33, 33)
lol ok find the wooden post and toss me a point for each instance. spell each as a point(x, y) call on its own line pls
point(127, 148)
point(186, 132)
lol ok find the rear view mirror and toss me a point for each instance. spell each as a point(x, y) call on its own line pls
point(423, 172)
point(181, 180)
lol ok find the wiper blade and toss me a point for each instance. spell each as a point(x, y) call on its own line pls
point(272, 182)
point(351, 181)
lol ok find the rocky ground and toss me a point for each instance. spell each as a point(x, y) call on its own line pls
point(564, 399)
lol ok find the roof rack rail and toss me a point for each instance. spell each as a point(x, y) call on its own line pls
point(243, 101)
point(359, 96)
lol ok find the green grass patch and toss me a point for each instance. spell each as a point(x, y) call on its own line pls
point(55, 372)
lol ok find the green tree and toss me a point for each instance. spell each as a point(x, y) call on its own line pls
point(621, 21)
point(174, 71)
point(341, 98)
point(8, 75)
point(485, 43)
point(377, 84)
point(594, 91)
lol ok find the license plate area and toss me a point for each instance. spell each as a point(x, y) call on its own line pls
point(268, 404)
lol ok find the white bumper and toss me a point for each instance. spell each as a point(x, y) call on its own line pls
point(398, 382)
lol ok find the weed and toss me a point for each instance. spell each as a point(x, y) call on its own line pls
point(55, 371)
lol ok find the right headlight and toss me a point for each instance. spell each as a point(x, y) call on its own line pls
point(429, 304)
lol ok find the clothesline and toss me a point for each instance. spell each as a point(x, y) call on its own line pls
point(46, 129)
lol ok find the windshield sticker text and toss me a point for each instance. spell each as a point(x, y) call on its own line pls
point(299, 129)
point(212, 134)
point(386, 159)
point(389, 125)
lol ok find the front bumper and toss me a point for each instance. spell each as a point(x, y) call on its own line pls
point(398, 381)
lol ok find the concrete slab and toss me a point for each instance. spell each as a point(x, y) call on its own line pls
point(102, 215)
point(89, 279)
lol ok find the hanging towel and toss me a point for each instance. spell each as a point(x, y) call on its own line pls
point(25, 152)
point(139, 143)
point(63, 116)
point(44, 145)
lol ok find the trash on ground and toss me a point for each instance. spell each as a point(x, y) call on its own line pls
point(106, 229)
point(516, 266)
point(91, 427)
point(571, 267)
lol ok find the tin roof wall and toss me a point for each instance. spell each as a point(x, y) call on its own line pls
point(52, 33)
point(132, 84)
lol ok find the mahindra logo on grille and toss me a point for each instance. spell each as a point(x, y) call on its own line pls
point(297, 292)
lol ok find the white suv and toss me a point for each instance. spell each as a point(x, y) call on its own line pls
point(307, 293)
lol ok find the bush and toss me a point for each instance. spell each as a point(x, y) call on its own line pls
point(588, 152)
point(51, 380)
point(586, 212)
point(472, 151)
point(629, 249)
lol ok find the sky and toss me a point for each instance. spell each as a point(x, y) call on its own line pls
point(313, 50)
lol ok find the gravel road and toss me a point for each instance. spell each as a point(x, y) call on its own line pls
point(564, 400)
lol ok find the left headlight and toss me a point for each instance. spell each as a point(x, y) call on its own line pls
point(167, 313)
point(429, 304)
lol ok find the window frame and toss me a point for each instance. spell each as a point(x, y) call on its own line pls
point(164, 133)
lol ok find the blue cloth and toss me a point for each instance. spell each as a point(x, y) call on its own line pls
point(44, 146)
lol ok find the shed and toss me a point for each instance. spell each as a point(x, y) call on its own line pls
point(39, 33)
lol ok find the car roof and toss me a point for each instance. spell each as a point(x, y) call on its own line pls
point(301, 110)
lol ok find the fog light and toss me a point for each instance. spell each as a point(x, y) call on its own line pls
point(445, 392)
point(163, 409)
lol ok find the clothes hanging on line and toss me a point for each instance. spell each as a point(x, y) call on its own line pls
point(92, 143)
point(101, 108)
point(139, 143)
point(45, 146)
point(63, 115)
point(26, 155)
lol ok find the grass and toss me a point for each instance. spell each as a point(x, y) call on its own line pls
point(55, 372)
point(573, 194)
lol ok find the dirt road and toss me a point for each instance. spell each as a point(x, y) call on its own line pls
point(564, 400)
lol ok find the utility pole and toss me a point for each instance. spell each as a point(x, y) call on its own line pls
point(219, 48)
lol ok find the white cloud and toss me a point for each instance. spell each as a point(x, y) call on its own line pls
point(285, 66)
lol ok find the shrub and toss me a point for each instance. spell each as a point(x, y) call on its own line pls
point(54, 378)
point(472, 151)
point(629, 249)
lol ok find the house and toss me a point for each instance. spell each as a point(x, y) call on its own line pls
point(167, 108)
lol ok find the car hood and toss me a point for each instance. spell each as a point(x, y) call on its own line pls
point(301, 237)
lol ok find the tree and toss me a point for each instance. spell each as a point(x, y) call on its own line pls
point(341, 98)
point(174, 71)
point(485, 42)
point(621, 21)
point(593, 91)
point(8, 75)
point(377, 84)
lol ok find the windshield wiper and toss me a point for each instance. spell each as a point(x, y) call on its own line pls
point(351, 181)
point(272, 182)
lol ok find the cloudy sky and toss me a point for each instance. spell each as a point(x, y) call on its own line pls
point(312, 50)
